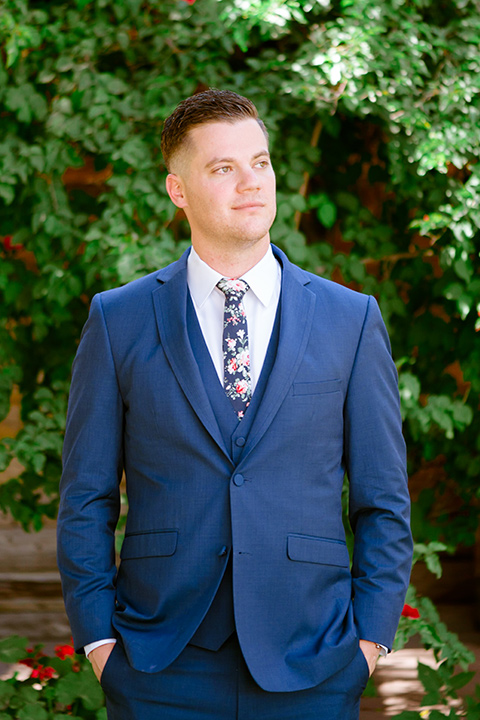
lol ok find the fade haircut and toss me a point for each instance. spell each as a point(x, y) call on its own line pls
point(202, 108)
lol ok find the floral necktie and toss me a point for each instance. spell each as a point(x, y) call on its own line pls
point(236, 353)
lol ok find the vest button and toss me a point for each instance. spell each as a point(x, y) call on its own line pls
point(238, 480)
point(240, 442)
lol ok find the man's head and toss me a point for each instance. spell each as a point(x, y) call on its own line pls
point(216, 149)
point(205, 107)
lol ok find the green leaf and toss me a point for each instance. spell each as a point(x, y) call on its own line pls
point(434, 565)
point(82, 685)
point(7, 192)
point(13, 649)
point(32, 712)
point(460, 680)
point(327, 214)
point(430, 678)
point(6, 692)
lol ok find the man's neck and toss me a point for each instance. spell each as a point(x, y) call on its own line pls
point(233, 264)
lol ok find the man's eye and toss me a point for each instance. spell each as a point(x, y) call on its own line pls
point(263, 163)
point(223, 170)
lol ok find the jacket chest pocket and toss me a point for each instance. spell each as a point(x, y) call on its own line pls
point(319, 387)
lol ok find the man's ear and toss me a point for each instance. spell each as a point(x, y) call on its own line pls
point(175, 190)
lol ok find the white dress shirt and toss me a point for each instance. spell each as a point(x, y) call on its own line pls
point(260, 303)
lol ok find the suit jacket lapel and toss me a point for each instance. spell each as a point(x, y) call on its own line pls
point(296, 316)
point(170, 303)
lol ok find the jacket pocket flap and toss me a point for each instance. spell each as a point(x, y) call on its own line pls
point(306, 548)
point(317, 388)
point(149, 544)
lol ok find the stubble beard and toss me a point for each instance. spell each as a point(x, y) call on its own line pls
point(240, 238)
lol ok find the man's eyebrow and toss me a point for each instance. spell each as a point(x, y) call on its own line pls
point(216, 160)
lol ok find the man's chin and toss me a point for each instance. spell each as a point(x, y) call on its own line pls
point(253, 233)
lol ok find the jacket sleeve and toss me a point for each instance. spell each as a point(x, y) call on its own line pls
point(89, 488)
point(379, 500)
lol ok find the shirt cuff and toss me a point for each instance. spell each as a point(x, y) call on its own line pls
point(92, 646)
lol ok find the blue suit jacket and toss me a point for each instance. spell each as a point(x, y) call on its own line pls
point(330, 406)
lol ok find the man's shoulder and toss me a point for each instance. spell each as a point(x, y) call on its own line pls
point(326, 290)
point(140, 289)
point(134, 290)
point(331, 292)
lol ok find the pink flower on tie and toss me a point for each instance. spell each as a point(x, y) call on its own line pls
point(232, 366)
point(237, 285)
point(231, 342)
point(243, 358)
point(241, 387)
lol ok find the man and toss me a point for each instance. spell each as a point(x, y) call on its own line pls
point(235, 390)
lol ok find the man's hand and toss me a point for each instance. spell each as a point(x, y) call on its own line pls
point(371, 653)
point(99, 657)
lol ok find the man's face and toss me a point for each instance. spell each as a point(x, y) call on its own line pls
point(225, 183)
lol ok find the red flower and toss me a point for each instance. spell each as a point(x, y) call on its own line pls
point(62, 651)
point(410, 612)
point(9, 246)
point(42, 672)
point(189, 2)
point(45, 673)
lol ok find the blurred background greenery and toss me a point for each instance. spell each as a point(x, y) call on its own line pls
point(373, 111)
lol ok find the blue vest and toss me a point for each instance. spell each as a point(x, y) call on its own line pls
point(219, 623)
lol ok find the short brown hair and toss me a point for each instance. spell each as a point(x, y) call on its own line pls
point(204, 107)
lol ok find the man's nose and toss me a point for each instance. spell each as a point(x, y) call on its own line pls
point(248, 180)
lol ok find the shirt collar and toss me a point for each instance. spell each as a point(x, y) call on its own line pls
point(262, 278)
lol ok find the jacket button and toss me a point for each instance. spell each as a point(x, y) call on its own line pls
point(223, 551)
point(238, 480)
point(240, 442)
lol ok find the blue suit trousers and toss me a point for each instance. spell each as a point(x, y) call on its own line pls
point(216, 685)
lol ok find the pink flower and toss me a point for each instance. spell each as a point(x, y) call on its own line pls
point(232, 366)
point(410, 612)
point(241, 387)
point(243, 358)
point(231, 342)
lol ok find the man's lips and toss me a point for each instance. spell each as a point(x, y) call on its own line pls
point(248, 205)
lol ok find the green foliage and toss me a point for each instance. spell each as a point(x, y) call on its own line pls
point(442, 682)
point(63, 686)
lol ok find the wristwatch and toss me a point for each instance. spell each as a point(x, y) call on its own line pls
point(382, 650)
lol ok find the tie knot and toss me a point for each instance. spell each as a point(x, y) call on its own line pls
point(233, 289)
